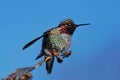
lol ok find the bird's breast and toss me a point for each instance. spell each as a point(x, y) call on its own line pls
point(58, 41)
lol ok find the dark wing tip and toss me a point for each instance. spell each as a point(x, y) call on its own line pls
point(27, 45)
point(24, 48)
point(39, 56)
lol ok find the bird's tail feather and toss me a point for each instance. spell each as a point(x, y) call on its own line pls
point(49, 65)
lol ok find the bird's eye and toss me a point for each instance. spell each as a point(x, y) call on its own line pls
point(69, 24)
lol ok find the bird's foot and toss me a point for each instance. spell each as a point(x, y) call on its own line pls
point(47, 58)
point(67, 54)
point(55, 53)
point(59, 59)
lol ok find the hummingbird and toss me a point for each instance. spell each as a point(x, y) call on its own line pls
point(56, 42)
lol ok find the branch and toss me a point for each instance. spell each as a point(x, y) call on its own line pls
point(24, 73)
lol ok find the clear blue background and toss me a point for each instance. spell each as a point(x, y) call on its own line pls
point(96, 48)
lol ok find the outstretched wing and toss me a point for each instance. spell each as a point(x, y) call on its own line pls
point(31, 42)
point(36, 39)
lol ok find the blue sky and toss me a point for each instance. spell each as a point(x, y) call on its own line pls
point(96, 48)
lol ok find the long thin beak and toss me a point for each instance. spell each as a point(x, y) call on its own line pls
point(82, 24)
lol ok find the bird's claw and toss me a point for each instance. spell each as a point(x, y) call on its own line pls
point(59, 59)
point(67, 54)
point(47, 58)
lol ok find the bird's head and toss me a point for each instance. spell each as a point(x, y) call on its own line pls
point(68, 26)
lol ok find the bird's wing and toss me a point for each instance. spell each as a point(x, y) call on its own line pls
point(31, 42)
point(36, 39)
